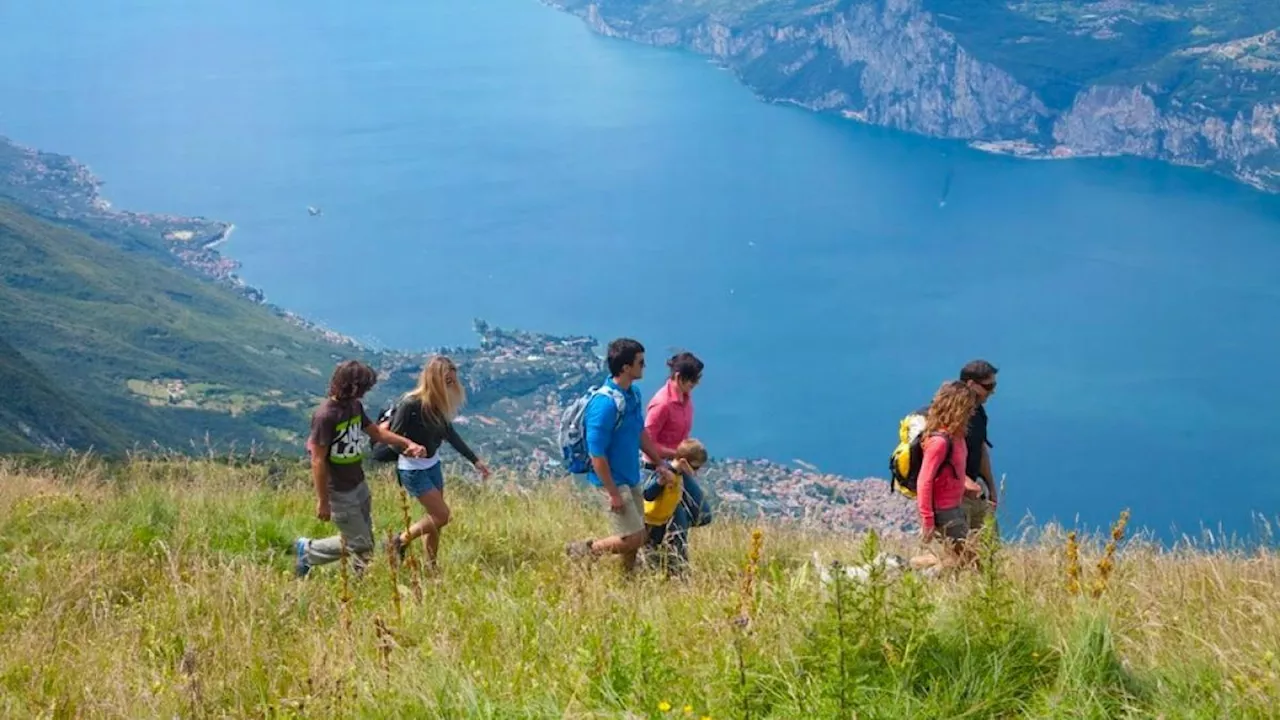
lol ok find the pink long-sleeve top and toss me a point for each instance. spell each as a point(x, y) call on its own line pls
point(939, 486)
point(669, 417)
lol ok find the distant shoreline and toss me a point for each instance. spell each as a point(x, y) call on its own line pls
point(794, 488)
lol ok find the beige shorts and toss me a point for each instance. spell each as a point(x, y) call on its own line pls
point(631, 520)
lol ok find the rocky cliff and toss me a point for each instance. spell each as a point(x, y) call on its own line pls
point(1188, 84)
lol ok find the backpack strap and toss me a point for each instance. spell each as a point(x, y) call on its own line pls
point(619, 402)
point(947, 458)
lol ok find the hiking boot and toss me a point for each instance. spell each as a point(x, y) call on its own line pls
point(300, 565)
point(579, 550)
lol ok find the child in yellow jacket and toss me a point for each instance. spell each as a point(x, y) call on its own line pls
point(672, 507)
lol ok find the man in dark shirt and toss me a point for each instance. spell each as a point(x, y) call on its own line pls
point(980, 376)
point(337, 470)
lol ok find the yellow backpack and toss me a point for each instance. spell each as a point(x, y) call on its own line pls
point(908, 456)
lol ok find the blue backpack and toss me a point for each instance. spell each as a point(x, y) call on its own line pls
point(573, 434)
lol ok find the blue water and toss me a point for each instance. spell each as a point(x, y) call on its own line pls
point(497, 160)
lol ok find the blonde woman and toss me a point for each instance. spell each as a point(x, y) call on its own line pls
point(941, 485)
point(426, 415)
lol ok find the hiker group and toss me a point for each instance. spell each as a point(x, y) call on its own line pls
point(643, 459)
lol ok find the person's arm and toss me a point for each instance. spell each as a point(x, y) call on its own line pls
point(404, 444)
point(934, 451)
point(651, 449)
point(652, 488)
point(320, 479)
point(987, 473)
point(654, 421)
point(654, 450)
point(453, 438)
point(456, 441)
point(600, 417)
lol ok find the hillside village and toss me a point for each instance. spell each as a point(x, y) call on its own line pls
point(518, 383)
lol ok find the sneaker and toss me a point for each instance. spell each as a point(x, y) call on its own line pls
point(300, 565)
point(578, 550)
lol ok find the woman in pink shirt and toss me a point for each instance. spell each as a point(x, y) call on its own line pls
point(669, 417)
point(668, 422)
point(941, 485)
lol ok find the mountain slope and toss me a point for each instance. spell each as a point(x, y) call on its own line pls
point(1185, 81)
point(35, 413)
point(166, 355)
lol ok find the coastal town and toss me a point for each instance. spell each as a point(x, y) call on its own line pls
point(65, 190)
point(519, 382)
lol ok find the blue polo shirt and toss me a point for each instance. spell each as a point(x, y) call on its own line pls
point(621, 447)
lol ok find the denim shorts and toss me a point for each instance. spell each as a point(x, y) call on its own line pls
point(418, 482)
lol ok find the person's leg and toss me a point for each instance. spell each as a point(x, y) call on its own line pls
point(628, 531)
point(428, 486)
point(687, 514)
point(438, 515)
point(634, 525)
point(695, 499)
point(954, 526)
point(360, 541)
point(350, 512)
point(650, 553)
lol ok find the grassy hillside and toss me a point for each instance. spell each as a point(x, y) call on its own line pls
point(162, 589)
point(104, 324)
point(35, 412)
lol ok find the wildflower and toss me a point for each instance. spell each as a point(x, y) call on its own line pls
point(664, 706)
point(688, 710)
point(1073, 564)
point(747, 591)
point(1107, 563)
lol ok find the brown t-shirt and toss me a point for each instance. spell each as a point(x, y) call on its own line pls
point(337, 427)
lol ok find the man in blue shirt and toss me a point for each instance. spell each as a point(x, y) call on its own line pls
point(614, 425)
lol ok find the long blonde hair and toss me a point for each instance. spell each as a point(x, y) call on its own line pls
point(439, 389)
point(951, 409)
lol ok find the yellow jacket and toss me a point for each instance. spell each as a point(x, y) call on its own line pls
point(659, 512)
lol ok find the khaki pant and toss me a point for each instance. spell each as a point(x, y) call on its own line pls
point(352, 512)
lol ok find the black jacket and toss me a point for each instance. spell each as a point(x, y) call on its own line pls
point(425, 428)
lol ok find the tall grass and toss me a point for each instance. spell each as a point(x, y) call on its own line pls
point(163, 588)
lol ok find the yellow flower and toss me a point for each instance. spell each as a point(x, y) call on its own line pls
point(664, 706)
point(688, 709)
point(706, 717)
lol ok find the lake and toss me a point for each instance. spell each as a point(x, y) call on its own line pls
point(498, 160)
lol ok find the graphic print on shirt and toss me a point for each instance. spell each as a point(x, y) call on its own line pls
point(346, 446)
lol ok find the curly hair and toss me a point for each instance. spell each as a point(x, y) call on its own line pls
point(951, 409)
point(351, 380)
